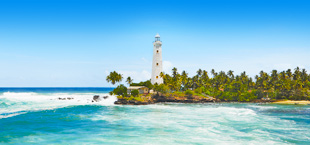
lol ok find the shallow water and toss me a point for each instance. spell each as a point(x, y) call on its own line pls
point(38, 117)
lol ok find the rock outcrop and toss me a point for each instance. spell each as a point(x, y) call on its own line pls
point(162, 99)
point(68, 98)
point(96, 98)
point(130, 102)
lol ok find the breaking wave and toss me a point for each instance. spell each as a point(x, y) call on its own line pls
point(12, 103)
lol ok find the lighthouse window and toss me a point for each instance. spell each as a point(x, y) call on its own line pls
point(157, 51)
point(157, 64)
point(156, 77)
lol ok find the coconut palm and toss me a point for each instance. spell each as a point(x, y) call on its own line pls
point(199, 72)
point(114, 77)
point(230, 73)
point(129, 80)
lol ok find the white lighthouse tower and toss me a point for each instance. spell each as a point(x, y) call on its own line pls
point(157, 66)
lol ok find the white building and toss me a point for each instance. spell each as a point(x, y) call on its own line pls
point(157, 66)
point(141, 89)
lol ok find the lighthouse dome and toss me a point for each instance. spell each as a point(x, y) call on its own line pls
point(157, 35)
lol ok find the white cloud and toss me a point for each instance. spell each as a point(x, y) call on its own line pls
point(107, 72)
point(167, 67)
point(137, 76)
point(145, 60)
point(146, 75)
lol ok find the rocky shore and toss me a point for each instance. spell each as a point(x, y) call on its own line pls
point(195, 99)
point(161, 99)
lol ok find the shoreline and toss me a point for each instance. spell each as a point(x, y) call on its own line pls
point(292, 102)
point(132, 102)
point(192, 100)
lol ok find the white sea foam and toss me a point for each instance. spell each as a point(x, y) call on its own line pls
point(199, 124)
point(16, 103)
point(262, 107)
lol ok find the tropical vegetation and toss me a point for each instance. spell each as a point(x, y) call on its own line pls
point(227, 86)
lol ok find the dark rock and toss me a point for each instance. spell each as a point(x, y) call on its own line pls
point(121, 102)
point(188, 101)
point(131, 101)
point(105, 97)
point(144, 103)
point(96, 98)
point(137, 103)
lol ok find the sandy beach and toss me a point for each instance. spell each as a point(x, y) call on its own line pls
point(302, 102)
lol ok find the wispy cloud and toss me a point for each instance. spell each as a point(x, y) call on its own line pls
point(167, 66)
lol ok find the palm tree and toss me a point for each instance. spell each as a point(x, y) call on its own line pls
point(289, 73)
point(184, 78)
point(199, 72)
point(205, 78)
point(230, 73)
point(236, 88)
point(213, 73)
point(304, 75)
point(114, 77)
point(274, 81)
point(296, 74)
point(176, 81)
point(129, 80)
point(174, 72)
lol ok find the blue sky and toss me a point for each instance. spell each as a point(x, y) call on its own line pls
point(72, 43)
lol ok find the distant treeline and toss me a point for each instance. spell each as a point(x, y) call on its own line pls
point(293, 85)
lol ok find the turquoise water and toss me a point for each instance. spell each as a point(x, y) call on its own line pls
point(31, 116)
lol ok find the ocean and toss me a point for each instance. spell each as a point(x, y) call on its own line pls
point(37, 116)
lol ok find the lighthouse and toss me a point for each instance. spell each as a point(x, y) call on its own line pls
point(157, 66)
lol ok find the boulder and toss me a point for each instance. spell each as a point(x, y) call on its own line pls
point(121, 102)
point(131, 102)
point(96, 98)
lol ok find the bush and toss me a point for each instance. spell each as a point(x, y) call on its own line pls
point(189, 93)
point(198, 90)
point(135, 93)
point(138, 99)
point(147, 84)
point(207, 92)
point(162, 88)
point(111, 93)
point(120, 90)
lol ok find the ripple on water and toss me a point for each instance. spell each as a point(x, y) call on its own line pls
point(165, 124)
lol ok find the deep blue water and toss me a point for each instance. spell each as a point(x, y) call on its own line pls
point(58, 90)
point(35, 115)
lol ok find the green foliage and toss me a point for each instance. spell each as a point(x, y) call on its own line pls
point(114, 77)
point(135, 93)
point(120, 90)
point(289, 84)
point(162, 88)
point(138, 99)
point(189, 92)
point(199, 90)
point(147, 84)
point(111, 93)
point(207, 92)
point(129, 80)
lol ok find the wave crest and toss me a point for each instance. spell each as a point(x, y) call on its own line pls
point(12, 102)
